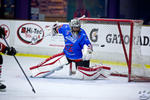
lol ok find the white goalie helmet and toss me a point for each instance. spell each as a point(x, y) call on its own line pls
point(75, 23)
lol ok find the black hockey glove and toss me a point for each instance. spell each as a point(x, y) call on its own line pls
point(10, 51)
point(54, 29)
point(2, 32)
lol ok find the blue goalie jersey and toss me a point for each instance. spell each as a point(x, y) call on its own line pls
point(73, 42)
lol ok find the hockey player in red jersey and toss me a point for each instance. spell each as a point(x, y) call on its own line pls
point(5, 50)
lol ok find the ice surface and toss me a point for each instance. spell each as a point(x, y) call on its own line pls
point(18, 88)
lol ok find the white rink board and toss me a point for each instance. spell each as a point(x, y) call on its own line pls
point(22, 33)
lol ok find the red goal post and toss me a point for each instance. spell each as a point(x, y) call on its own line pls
point(136, 70)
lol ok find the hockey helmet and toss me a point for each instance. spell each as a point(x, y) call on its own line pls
point(75, 23)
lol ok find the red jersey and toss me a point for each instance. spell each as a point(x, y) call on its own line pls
point(2, 47)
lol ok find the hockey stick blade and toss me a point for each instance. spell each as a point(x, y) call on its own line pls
point(33, 90)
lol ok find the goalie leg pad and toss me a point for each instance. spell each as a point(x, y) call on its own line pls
point(92, 73)
point(49, 66)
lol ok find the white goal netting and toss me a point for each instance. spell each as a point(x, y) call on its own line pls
point(116, 43)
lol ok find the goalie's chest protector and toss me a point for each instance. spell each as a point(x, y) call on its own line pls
point(73, 43)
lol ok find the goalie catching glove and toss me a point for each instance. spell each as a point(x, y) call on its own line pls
point(87, 52)
point(9, 51)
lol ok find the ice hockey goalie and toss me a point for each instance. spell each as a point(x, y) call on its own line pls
point(76, 40)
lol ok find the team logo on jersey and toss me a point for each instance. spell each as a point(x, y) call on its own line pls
point(7, 31)
point(94, 35)
point(30, 33)
point(73, 40)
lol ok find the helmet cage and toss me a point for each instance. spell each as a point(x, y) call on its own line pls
point(75, 23)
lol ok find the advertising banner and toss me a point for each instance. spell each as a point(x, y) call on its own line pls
point(23, 34)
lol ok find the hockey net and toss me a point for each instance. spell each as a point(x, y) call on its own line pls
point(116, 43)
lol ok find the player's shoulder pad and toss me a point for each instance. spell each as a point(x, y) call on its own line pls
point(82, 31)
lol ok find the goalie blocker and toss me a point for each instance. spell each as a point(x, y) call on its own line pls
point(57, 62)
